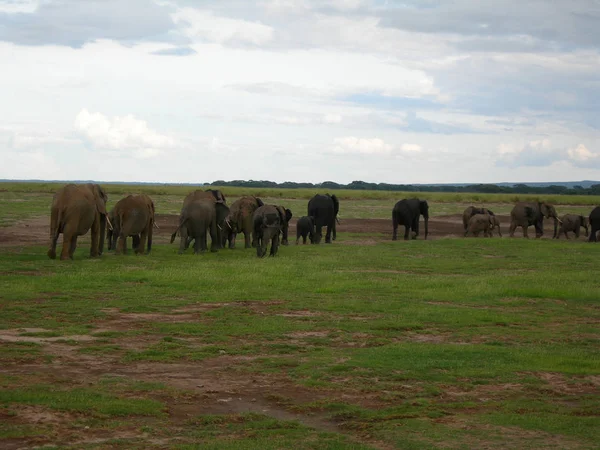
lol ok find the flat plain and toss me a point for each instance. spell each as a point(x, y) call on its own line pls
point(366, 343)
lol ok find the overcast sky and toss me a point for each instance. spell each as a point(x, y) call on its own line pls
point(407, 91)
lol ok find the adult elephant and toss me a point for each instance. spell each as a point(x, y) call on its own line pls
point(77, 209)
point(574, 223)
point(239, 220)
point(197, 218)
point(594, 219)
point(470, 212)
point(133, 216)
point(407, 212)
point(214, 196)
point(525, 214)
point(324, 209)
point(269, 222)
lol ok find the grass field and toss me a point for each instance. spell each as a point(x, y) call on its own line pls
point(450, 343)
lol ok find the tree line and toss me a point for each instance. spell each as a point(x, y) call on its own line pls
point(471, 188)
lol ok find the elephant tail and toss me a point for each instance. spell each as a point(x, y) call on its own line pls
point(182, 221)
point(55, 221)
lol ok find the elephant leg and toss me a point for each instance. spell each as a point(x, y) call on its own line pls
point(406, 232)
point(304, 240)
point(143, 238)
point(73, 246)
point(415, 227)
point(577, 232)
point(328, 235)
point(199, 244)
point(184, 240)
point(511, 230)
point(68, 234)
point(122, 245)
point(525, 235)
point(394, 227)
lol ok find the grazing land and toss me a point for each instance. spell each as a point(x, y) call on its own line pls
point(365, 343)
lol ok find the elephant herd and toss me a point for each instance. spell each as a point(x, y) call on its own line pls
point(77, 209)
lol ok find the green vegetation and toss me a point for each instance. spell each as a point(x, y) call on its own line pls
point(449, 343)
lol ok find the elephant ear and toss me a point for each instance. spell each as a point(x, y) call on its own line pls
point(259, 202)
point(222, 211)
point(100, 198)
point(288, 215)
point(424, 208)
point(336, 204)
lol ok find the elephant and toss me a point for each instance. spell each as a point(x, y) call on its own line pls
point(269, 222)
point(526, 214)
point(470, 212)
point(215, 196)
point(407, 212)
point(482, 222)
point(132, 216)
point(239, 220)
point(197, 218)
point(573, 222)
point(305, 227)
point(594, 220)
point(324, 209)
point(77, 208)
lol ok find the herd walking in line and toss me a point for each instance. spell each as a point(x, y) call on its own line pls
point(77, 209)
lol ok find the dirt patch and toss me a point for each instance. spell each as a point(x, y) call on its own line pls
point(36, 231)
point(16, 335)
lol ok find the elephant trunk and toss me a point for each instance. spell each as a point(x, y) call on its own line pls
point(556, 220)
point(103, 219)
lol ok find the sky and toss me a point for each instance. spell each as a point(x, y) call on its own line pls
point(387, 91)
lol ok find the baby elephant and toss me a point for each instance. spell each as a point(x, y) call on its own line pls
point(305, 227)
point(483, 222)
point(573, 222)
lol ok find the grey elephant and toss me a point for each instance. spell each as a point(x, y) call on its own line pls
point(132, 216)
point(573, 222)
point(407, 212)
point(594, 221)
point(324, 209)
point(239, 220)
point(525, 214)
point(270, 221)
point(215, 197)
point(482, 222)
point(77, 209)
point(305, 227)
point(197, 218)
point(470, 212)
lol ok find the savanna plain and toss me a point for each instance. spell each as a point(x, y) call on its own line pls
point(366, 343)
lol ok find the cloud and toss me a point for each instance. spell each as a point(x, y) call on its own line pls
point(332, 119)
point(533, 153)
point(74, 23)
point(126, 135)
point(371, 146)
point(175, 51)
point(351, 144)
point(204, 26)
point(581, 156)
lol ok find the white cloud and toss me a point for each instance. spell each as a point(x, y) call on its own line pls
point(581, 156)
point(201, 25)
point(124, 134)
point(367, 146)
point(332, 118)
point(410, 148)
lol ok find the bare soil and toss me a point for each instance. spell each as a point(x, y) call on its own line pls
point(36, 231)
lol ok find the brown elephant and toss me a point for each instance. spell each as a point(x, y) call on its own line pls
point(77, 208)
point(482, 222)
point(526, 214)
point(470, 212)
point(269, 222)
point(132, 216)
point(239, 220)
point(199, 217)
point(573, 222)
point(214, 196)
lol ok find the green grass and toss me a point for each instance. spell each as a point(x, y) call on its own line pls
point(460, 343)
